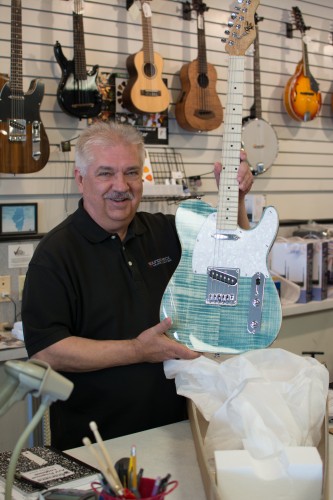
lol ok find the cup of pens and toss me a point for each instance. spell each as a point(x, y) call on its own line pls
point(122, 480)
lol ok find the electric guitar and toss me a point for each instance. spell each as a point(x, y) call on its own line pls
point(145, 91)
point(24, 145)
point(302, 98)
point(78, 94)
point(221, 298)
point(259, 137)
point(199, 107)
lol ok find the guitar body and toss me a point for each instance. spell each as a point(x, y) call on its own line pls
point(24, 146)
point(260, 143)
point(145, 91)
point(221, 328)
point(199, 107)
point(78, 97)
point(301, 101)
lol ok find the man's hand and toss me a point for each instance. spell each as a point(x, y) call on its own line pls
point(153, 345)
point(244, 176)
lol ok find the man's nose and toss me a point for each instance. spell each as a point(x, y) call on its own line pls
point(120, 182)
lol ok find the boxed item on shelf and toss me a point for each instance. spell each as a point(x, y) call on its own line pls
point(292, 258)
point(320, 269)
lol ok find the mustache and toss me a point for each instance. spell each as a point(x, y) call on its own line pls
point(119, 196)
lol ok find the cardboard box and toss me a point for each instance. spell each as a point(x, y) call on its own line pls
point(199, 427)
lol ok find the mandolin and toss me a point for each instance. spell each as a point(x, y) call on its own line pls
point(221, 297)
point(259, 137)
point(78, 93)
point(24, 145)
point(199, 107)
point(145, 91)
point(302, 98)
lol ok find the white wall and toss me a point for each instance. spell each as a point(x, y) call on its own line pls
point(300, 183)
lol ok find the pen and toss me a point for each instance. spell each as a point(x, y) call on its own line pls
point(164, 483)
point(32, 482)
point(156, 486)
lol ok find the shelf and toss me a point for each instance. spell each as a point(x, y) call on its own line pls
point(309, 307)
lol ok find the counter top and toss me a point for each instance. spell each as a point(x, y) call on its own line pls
point(11, 347)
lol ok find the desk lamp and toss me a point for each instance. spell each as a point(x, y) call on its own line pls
point(38, 378)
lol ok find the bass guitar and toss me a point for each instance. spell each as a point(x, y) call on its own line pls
point(145, 91)
point(24, 145)
point(259, 137)
point(78, 94)
point(221, 298)
point(199, 107)
point(302, 98)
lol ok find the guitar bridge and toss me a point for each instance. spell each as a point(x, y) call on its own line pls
point(256, 303)
point(17, 130)
point(151, 93)
point(36, 152)
point(222, 286)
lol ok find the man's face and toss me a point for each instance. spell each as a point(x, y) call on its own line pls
point(112, 187)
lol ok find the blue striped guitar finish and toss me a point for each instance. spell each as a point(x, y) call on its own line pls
point(221, 297)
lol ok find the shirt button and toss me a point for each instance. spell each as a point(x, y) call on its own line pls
point(113, 237)
point(130, 263)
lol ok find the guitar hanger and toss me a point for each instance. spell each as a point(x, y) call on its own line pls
point(197, 5)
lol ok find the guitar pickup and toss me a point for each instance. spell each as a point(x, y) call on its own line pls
point(222, 286)
point(17, 130)
point(256, 303)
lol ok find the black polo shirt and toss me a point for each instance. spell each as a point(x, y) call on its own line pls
point(85, 282)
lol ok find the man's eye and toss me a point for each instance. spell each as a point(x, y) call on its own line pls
point(133, 173)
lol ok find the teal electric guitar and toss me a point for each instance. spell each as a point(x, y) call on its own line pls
point(221, 298)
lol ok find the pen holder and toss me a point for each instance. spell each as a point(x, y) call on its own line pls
point(145, 489)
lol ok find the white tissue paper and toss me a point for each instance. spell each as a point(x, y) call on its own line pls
point(17, 330)
point(262, 401)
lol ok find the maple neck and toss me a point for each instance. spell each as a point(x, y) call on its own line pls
point(147, 35)
point(256, 77)
point(306, 70)
point(16, 79)
point(227, 210)
point(202, 56)
point(78, 39)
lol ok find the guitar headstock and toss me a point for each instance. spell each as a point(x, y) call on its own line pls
point(241, 27)
point(298, 18)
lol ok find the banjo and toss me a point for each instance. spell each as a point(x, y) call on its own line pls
point(258, 136)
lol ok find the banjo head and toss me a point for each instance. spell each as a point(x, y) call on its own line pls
point(260, 143)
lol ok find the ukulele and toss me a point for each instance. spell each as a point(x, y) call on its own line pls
point(199, 107)
point(259, 137)
point(78, 94)
point(145, 91)
point(24, 145)
point(221, 298)
point(302, 98)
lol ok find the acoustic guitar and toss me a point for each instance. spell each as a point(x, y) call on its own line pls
point(259, 137)
point(78, 93)
point(145, 91)
point(199, 107)
point(24, 145)
point(302, 98)
point(221, 298)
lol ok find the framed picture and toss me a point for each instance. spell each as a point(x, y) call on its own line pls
point(18, 219)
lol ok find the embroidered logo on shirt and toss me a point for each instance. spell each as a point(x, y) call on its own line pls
point(158, 262)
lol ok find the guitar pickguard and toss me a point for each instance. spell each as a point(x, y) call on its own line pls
point(237, 320)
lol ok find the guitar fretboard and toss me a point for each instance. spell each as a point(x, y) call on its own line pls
point(16, 80)
point(79, 46)
point(227, 211)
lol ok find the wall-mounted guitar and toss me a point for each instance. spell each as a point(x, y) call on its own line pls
point(259, 137)
point(199, 107)
point(146, 91)
point(302, 98)
point(78, 94)
point(24, 146)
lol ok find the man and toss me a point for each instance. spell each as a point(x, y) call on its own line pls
point(93, 290)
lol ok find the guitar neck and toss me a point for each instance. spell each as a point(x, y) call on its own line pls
point(147, 34)
point(16, 80)
point(202, 56)
point(78, 39)
point(227, 211)
point(305, 59)
point(256, 77)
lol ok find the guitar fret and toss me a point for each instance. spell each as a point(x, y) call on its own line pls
point(79, 46)
point(147, 36)
point(16, 79)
